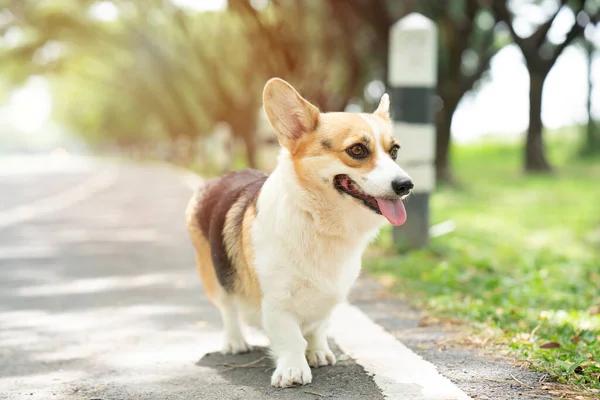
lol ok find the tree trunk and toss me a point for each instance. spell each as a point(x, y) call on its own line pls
point(384, 56)
point(443, 171)
point(443, 168)
point(591, 145)
point(243, 123)
point(250, 144)
point(246, 130)
point(535, 157)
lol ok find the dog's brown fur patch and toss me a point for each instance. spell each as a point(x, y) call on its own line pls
point(216, 217)
point(248, 285)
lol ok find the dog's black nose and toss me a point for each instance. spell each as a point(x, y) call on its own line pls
point(402, 186)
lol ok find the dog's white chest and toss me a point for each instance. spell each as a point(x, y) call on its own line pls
point(309, 272)
point(307, 256)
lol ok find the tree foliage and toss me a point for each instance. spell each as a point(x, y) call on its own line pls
point(157, 72)
point(149, 72)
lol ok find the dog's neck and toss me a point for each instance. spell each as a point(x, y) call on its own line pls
point(333, 214)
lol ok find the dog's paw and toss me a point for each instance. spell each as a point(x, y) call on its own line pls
point(290, 374)
point(238, 346)
point(320, 357)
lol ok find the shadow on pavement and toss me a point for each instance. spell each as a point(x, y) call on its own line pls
point(251, 372)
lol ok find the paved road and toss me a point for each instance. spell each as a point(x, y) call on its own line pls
point(26, 179)
point(99, 299)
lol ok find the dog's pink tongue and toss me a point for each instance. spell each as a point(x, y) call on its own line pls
point(393, 210)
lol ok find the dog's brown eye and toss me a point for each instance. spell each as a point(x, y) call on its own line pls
point(394, 151)
point(358, 151)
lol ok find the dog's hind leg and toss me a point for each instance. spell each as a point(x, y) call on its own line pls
point(234, 342)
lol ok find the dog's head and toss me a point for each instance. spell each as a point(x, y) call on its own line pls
point(349, 154)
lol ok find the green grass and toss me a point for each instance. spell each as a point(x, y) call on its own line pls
point(524, 257)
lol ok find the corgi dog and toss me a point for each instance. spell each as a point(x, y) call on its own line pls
point(279, 251)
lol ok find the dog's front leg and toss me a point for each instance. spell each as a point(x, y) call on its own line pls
point(288, 346)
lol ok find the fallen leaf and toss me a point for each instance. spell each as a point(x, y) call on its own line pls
point(387, 281)
point(550, 345)
point(427, 321)
point(594, 309)
point(575, 339)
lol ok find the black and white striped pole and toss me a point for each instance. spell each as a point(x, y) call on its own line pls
point(412, 81)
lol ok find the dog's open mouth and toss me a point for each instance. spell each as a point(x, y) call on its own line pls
point(392, 210)
point(344, 184)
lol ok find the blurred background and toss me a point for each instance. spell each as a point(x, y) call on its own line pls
point(518, 144)
point(157, 78)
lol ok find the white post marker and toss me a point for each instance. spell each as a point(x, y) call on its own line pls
point(412, 81)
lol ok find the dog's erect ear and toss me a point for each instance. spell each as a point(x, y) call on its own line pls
point(383, 110)
point(290, 115)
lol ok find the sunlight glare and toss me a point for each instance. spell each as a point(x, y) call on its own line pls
point(202, 5)
point(29, 107)
point(104, 11)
